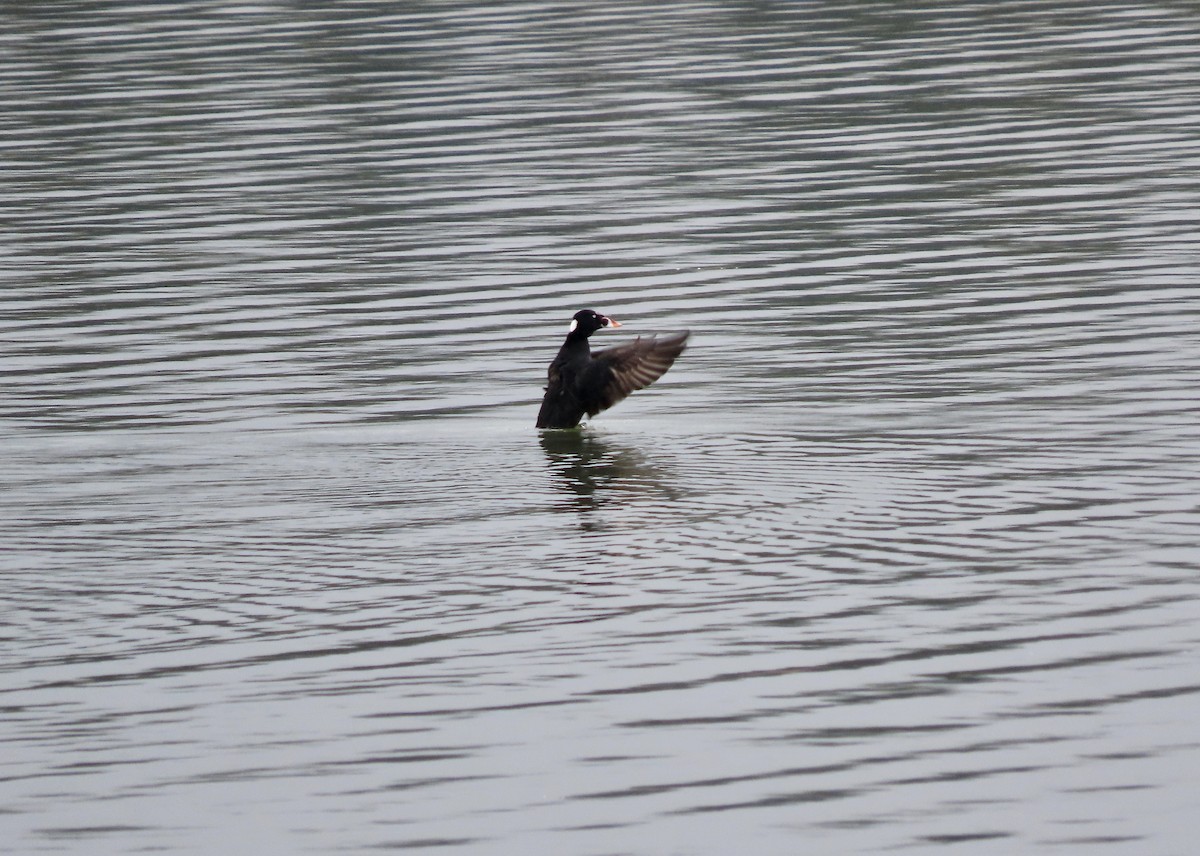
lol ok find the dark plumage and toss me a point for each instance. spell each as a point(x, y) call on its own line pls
point(582, 382)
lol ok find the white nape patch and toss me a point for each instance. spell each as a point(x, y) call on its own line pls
point(573, 327)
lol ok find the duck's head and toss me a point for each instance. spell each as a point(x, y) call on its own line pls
point(586, 322)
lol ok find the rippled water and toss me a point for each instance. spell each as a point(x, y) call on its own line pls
point(901, 555)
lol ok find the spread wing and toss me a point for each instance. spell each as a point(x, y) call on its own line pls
point(616, 372)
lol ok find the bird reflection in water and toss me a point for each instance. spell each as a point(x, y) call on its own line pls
point(596, 472)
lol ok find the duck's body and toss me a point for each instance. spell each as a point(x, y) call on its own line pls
point(580, 382)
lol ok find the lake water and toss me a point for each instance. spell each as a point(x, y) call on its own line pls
point(901, 556)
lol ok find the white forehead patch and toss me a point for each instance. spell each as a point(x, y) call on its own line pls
point(574, 325)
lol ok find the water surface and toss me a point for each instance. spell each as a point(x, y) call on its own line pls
point(900, 556)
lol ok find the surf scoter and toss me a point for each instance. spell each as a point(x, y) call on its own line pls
point(582, 382)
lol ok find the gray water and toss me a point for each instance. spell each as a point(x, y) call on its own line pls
point(901, 556)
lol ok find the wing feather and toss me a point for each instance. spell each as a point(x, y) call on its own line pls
point(618, 371)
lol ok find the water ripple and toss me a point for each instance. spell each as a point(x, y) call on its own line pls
point(900, 554)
